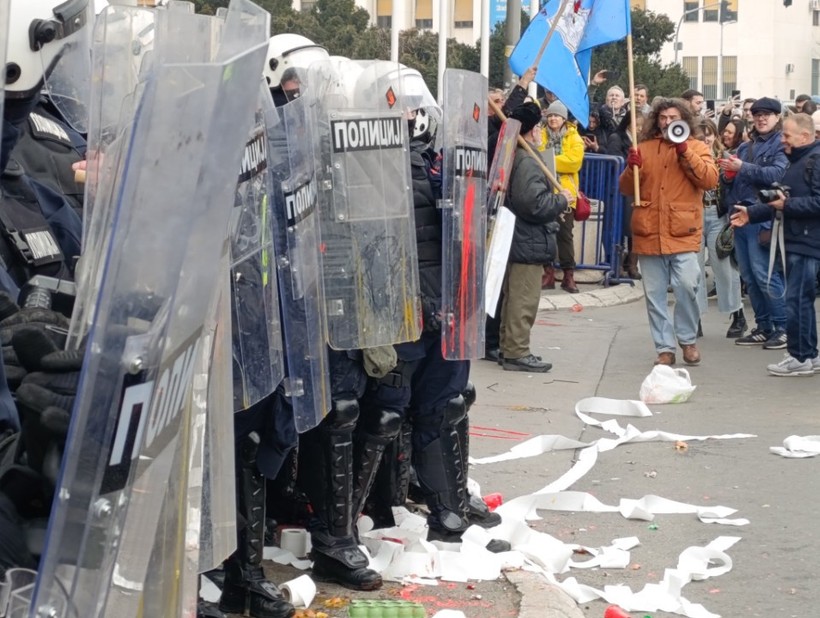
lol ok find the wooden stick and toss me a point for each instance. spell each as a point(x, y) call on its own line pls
point(636, 172)
point(522, 142)
point(555, 19)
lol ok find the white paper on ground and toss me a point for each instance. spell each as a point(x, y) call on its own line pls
point(449, 613)
point(411, 558)
point(532, 448)
point(693, 564)
point(798, 447)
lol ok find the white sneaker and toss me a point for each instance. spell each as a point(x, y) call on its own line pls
point(815, 364)
point(790, 366)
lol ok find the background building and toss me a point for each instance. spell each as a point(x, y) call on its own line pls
point(759, 47)
point(767, 49)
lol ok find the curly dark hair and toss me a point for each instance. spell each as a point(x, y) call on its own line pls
point(651, 129)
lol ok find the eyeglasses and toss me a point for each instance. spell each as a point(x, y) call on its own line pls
point(762, 114)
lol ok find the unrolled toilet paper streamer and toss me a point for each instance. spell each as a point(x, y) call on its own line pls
point(403, 554)
point(300, 591)
point(296, 541)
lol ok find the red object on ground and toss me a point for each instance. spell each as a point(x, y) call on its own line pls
point(493, 501)
point(613, 611)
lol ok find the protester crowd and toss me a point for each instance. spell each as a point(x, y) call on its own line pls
point(682, 231)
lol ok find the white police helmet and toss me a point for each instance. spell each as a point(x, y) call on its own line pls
point(290, 51)
point(49, 47)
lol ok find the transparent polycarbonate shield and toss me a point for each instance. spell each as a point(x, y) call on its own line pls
point(258, 364)
point(122, 38)
point(116, 543)
point(4, 29)
point(500, 220)
point(212, 487)
point(295, 221)
point(499, 178)
point(369, 262)
point(67, 76)
point(463, 134)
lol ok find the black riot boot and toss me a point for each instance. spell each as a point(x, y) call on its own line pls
point(326, 477)
point(441, 477)
point(377, 428)
point(392, 479)
point(246, 588)
point(477, 511)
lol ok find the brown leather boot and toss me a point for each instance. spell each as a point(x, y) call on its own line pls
point(548, 278)
point(568, 284)
point(631, 266)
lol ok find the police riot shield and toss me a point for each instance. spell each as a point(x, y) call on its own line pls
point(4, 30)
point(500, 220)
point(122, 38)
point(295, 220)
point(116, 539)
point(212, 483)
point(369, 262)
point(257, 340)
point(463, 133)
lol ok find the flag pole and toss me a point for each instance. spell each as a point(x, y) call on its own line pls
point(555, 19)
point(633, 116)
point(522, 142)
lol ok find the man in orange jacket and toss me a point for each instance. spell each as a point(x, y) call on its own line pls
point(667, 225)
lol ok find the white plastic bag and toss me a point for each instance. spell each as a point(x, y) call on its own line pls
point(667, 385)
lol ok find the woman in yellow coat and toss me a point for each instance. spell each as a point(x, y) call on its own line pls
point(568, 146)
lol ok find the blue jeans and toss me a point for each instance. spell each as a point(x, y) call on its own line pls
point(768, 303)
point(727, 279)
point(682, 272)
point(801, 322)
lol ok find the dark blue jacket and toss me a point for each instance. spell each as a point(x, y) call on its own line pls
point(764, 163)
point(801, 213)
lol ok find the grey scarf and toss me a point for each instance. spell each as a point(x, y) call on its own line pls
point(555, 139)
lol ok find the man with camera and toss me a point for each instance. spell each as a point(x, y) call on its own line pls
point(759, 163)
point(796, 203)
point(667, 224)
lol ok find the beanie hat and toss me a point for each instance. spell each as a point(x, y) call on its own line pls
point(557, 108)
point(767, 104)
point(528, 115)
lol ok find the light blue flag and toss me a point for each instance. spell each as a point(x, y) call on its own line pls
point(564, 66)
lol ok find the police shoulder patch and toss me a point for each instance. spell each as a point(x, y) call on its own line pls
point(46, 128)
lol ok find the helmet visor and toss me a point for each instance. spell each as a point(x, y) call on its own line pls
point(66, 62)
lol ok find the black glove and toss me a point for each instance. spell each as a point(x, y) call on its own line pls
point(12, 319)
point(431, 315)
point(45, 397)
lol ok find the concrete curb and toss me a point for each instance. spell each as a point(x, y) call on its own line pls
point(591, 296)
point(541, 599)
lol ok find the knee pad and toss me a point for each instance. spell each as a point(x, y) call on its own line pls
point(469, 394)
point(343, 415)
point(455, 410)
point(382, 422)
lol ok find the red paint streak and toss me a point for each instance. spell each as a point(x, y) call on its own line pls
point(486, 435)
point(497, 430)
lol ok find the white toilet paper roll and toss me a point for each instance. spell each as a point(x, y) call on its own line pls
point(299, 591)
point(294, 540)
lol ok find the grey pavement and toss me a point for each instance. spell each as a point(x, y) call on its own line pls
point(606, 351)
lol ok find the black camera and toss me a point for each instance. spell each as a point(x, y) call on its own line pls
point(770, 195)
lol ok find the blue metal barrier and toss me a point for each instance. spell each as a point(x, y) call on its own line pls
point(601, 235)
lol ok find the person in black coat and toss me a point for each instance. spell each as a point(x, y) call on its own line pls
point(536, 208)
